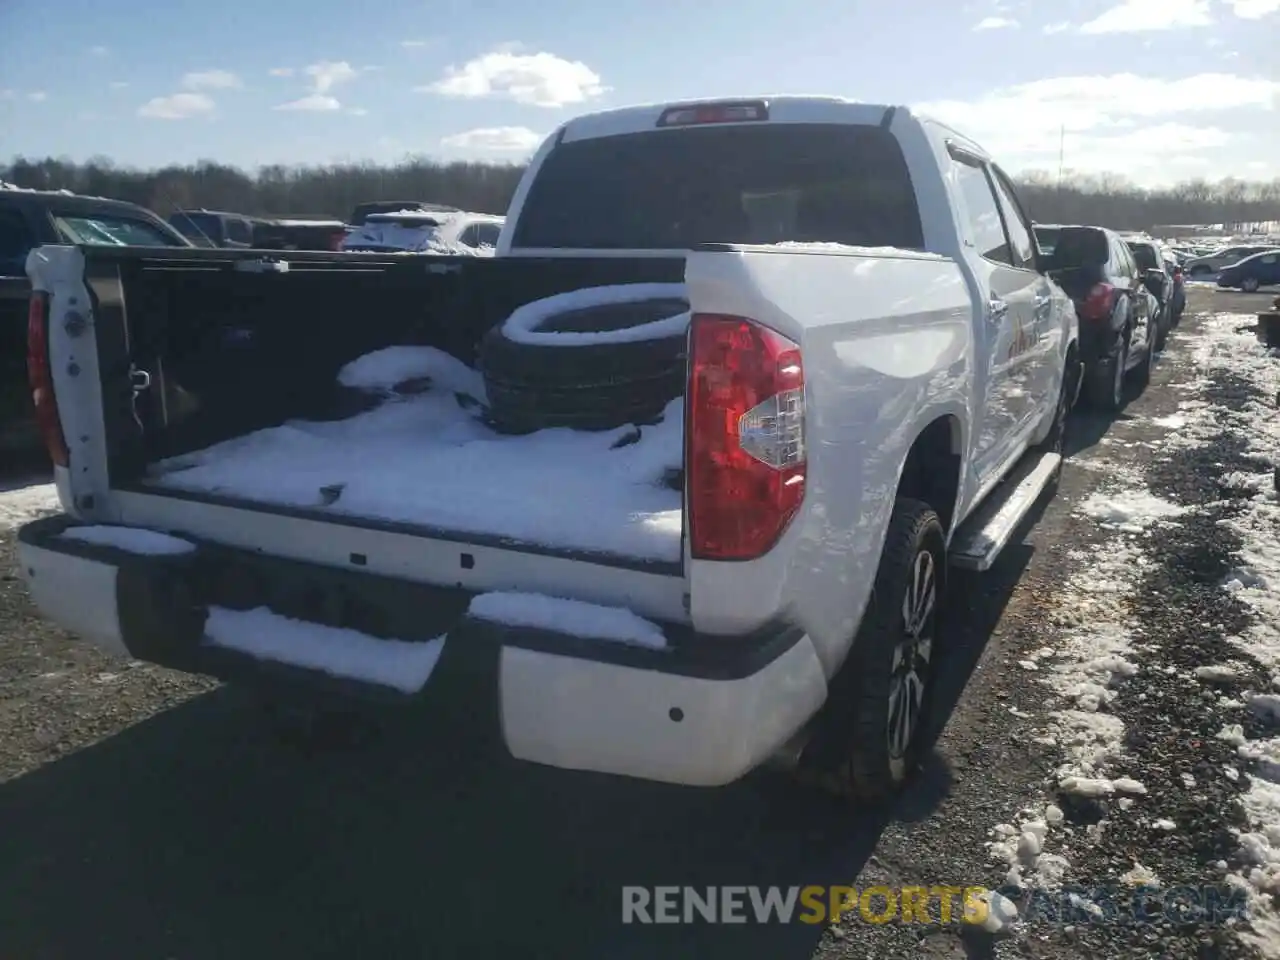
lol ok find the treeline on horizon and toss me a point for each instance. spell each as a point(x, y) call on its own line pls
point(334, 190)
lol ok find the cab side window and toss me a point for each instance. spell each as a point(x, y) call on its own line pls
point(985, 223)
point(1016, 226)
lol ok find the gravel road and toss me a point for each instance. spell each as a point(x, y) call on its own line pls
point(146, 814)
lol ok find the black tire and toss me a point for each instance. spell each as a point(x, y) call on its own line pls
point(587, 387)
point(1105, 386)
point(857, 751)
point(1249, 284)
point(1163, 327)
point(1056, 440)
point(1142, 374)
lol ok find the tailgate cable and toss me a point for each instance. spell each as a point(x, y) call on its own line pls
point(140, 381)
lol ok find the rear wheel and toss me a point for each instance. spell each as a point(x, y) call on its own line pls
point(869, 735)
point(1249, 284)
point(1142, 375)
point(1106, 385)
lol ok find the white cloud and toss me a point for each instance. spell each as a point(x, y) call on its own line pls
point(281, 71)
point(1140, 16)
point(537, 79)
point(1060, 27)
point(321, 77)
point(1253, 9)
point(119, 84)
point(494, 140)
point(315, 103)
point(1122, 122)
point(357, 111)
point(211, 80)
point(326, 75)
point(414, 44)
point(37, 96)
point(995, 23)
point(180, 106)
point(99, 51)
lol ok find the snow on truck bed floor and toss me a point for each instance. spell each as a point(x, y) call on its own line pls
point(428, 460)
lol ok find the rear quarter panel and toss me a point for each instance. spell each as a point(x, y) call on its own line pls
point(886, 343)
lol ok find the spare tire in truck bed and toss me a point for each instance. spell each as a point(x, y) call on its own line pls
point(569, 362)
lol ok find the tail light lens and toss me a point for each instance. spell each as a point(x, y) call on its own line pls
point(1097, 305)
point(40, 376)
point(746, 455)
point(335, 240)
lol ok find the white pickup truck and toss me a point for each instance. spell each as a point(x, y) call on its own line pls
point(668, 487)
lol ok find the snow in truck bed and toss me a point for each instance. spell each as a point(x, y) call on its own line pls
point(427, 459)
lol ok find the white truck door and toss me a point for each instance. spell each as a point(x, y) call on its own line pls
point(1000, 416)
point(1041, 368)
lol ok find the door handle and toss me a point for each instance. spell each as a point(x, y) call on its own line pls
point(997, 308)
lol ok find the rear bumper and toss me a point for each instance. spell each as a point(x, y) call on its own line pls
point(702, 712)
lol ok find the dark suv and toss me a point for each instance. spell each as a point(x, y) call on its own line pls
point(1117, 312)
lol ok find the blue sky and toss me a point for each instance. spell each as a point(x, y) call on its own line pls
point(1157, 90)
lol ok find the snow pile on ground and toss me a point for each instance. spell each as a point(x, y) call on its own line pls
point(427, 459)
point(22, 504)
point(1130, 511)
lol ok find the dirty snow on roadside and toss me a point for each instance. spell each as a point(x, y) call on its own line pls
point(19, 504)
point(1081, 671)
point(1225, 351)
point(1114, 673)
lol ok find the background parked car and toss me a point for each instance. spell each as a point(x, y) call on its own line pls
point(215, 228)
point(1173, 267)
point(363, 210)
point(411, 231)
point(28, 219)
point(1211, 263)
point(300, 233)
point(1146, 253)
point(1259, 270)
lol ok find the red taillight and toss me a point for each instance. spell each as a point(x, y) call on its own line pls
point(745, 437)
point(735, 112)
point(40, 376)
point(1097, 305)
point(335, 240)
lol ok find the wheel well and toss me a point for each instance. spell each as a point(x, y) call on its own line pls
point(932, 470)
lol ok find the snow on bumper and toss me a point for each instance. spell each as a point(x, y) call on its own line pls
point(556, 698)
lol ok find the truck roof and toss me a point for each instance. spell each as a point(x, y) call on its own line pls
point(786, 108)
point(781, 108)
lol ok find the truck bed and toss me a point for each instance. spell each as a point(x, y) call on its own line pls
point(341, 390)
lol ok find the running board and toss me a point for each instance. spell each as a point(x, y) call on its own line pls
point(978, 542)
